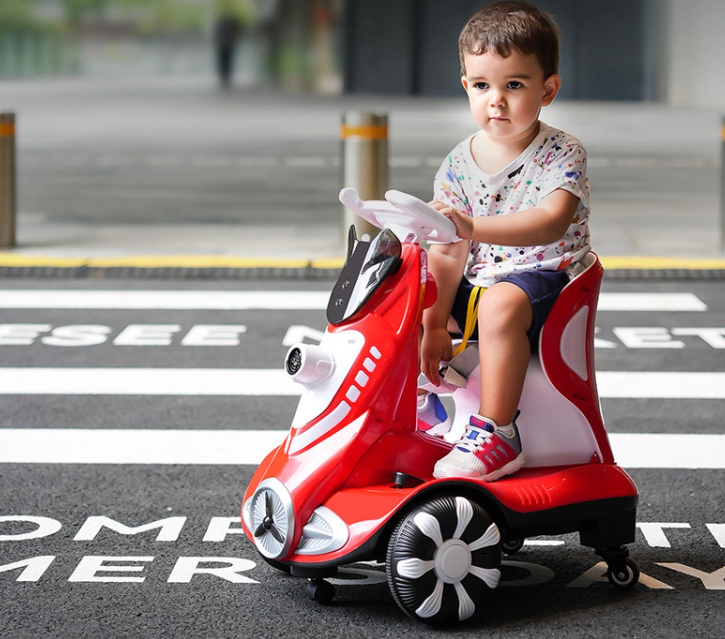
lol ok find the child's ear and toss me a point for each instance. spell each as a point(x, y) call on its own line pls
point(464, 82)
point(552, 84)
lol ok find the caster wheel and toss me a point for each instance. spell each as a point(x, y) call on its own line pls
point(443, 558)
point(625, 578)
point(512, 546)
point(320, 591)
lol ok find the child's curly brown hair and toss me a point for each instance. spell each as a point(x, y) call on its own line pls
point(512, 24)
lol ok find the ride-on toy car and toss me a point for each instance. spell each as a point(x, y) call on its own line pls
point(353, 479)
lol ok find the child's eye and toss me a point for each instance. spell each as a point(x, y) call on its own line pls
point(515, 84)
point(481, 86)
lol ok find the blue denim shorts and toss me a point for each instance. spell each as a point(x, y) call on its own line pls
point(542, 287)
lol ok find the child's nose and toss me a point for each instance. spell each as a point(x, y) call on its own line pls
point(497, 98)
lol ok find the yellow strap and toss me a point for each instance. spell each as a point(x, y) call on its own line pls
point(471, 318)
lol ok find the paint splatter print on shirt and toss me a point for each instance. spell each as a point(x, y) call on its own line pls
point(554, 160)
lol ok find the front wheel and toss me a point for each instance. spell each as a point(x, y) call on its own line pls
point(626, 577)
point(443, 557)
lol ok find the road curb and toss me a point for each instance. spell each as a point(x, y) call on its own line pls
point(214, 267)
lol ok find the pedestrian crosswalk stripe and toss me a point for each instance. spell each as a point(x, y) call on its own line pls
point(661, 385)
point(681, 450)
point(249, 447)
point(278, 300)
point(276, 382)
point(147, 381)
point(656, 302)
point(165, 300)
point(115, 446)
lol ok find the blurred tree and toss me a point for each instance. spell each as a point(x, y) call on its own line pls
point(75, 10)
point(148, 16)
point(243, 10)
point(20, 15)
point(288, 42)
point(33, 39)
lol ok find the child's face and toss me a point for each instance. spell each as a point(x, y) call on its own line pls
point(506, 94)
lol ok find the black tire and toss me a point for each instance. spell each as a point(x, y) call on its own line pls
point(443, 557)
point(320, 591)
point(512, 546)
point(626, 578)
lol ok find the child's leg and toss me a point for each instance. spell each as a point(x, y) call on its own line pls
point(504, 317)
point(510, 316)
point(491, 448)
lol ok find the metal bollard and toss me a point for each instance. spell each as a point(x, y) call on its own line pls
point(8, 185)
point(722, 187)
point(365, 162)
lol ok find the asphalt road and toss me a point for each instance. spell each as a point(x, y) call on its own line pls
point(76, 560)
point(177, 151)
point(142, 182)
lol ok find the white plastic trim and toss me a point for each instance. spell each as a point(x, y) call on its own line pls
point(324, 532)
point(573, 346)
point(345, 347)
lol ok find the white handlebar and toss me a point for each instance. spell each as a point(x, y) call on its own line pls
point(404, 211)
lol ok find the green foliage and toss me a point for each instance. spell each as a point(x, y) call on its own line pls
point(169, 15)
point(75, 10)
point(242, 9)
point(149, 16)
point(19, 15)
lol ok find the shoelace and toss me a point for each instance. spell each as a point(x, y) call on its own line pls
point(480, 438)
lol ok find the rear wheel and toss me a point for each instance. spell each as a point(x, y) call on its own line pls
point(320, 591)
point(443, 557)
point(512, 546)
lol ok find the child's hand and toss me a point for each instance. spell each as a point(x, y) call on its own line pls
point(464, 223)
point(435, 346)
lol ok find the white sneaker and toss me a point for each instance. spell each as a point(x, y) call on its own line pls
point(433, 419)
point(485, 452)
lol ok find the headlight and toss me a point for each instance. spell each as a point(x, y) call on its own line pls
point(308, 364)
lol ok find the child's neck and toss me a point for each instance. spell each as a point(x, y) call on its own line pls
point(492, 154)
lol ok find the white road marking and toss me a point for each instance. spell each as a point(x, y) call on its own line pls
point(403, 162)
point(249, 447)
point(147, 381)
point(275, 300)
point(660, 385)
point(657, 302)
point(306, 161)
point(645, 450)
point(275, 382)
point(165, 300)
point(323, 160)
point(79, 446)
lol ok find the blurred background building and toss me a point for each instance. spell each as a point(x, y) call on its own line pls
point(667, 51)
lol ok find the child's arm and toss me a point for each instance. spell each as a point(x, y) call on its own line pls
point(446, 263)
point(532, 227)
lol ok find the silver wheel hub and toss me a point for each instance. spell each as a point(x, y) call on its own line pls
point(452, 561)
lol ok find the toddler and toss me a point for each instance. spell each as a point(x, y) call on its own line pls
point(518, 193)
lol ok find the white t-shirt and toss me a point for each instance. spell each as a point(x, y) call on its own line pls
point(554, 160)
